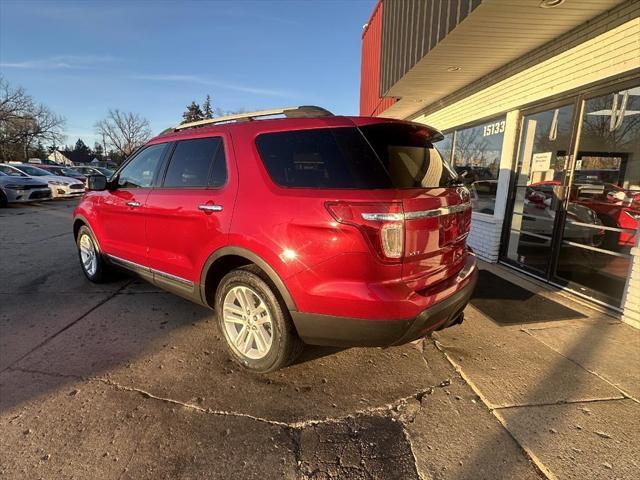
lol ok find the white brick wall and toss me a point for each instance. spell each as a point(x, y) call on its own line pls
point(484, 236)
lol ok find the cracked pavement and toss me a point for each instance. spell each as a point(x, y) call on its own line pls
point(125, 381)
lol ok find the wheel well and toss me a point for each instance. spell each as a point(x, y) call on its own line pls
point(76, 227)
point(217, 271)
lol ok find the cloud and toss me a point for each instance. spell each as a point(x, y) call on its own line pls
point(214, 83)
point(62, 62)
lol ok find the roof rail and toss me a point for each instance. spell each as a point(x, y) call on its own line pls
point(304, 111)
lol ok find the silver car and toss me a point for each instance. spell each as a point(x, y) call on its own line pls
point(16, 187)
point(61, 187)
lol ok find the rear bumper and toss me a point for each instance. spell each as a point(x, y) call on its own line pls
point(317, 329)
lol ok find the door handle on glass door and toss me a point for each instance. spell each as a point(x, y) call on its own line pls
point(133, 204)
point(210, 208)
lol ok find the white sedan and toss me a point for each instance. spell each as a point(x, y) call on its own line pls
point(61, 187)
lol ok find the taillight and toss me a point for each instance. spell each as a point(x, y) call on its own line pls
point(382, 224)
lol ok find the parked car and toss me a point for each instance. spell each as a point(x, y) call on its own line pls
point(61, 187)
point(16, 187)
point(86, 170)
point(64, 172)
point(314, 228)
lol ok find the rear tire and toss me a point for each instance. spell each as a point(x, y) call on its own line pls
point(91, 260)
point(256, 325)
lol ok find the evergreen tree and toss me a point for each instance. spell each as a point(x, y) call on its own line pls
point(81, 147)
point(39, 151)
point(193, 113)
point(207, 111)
point(98, 150)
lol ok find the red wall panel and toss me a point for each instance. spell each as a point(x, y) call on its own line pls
point(371, 104)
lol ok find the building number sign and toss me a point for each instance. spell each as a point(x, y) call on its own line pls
point(493, 128)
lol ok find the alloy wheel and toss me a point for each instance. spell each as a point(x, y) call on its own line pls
point(247, 322)
point(88, 255)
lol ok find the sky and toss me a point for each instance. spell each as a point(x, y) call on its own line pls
point(154, 57)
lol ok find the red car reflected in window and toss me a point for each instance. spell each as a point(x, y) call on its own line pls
point(616, 207)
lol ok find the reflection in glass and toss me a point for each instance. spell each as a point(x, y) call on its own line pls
point(476, 157)
point(445, 147)
point(607, 182)
point(539, 190)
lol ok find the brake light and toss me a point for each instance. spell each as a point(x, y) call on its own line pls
point(382, 224)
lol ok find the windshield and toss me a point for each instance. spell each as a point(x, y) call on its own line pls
point(105, 171)
point(33, 171)
point(70, 173)
point(11, 172)
point(379, 156)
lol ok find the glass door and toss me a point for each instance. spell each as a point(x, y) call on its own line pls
point(603, 207)
point(539, 190)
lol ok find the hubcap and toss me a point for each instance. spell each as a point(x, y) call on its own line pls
point(247, 322)
point(88, 255)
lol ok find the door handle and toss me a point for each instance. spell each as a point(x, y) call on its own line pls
point(210, 208)
point(133, 204)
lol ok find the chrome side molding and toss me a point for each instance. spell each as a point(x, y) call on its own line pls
point(136, 267)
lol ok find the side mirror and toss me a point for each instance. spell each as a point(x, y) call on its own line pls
point(96, 183)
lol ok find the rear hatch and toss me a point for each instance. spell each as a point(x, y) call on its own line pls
point(437, 210)
point(389, 181)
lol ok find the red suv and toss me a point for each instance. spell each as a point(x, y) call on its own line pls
point(311, 228)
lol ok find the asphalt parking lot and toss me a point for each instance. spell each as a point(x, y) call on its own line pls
point(125, 381)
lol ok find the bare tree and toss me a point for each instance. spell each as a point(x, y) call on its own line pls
point(124, 131)
point(24, 123)
point(13, 101)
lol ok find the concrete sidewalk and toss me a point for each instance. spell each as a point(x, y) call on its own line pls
point(567, 391)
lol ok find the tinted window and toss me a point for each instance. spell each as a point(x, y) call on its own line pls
point(408, 156)
point(193, 160)
point(344, 158)
point(219, 169)
point(139, 172)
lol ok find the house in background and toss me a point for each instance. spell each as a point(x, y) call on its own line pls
point(69, 157)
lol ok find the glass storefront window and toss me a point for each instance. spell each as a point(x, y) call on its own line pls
point(606, 189)
point(542, 159)
point(476, 157)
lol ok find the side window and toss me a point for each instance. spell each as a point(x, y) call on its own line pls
point(219, 169)
point(194, 162)
point(140, 171)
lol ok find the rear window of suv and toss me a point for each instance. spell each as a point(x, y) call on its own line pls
point(370, 157)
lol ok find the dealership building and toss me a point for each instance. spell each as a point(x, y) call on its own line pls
point(539, 104)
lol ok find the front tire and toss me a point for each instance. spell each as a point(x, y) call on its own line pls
point(255, 323)
point(91, 260)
